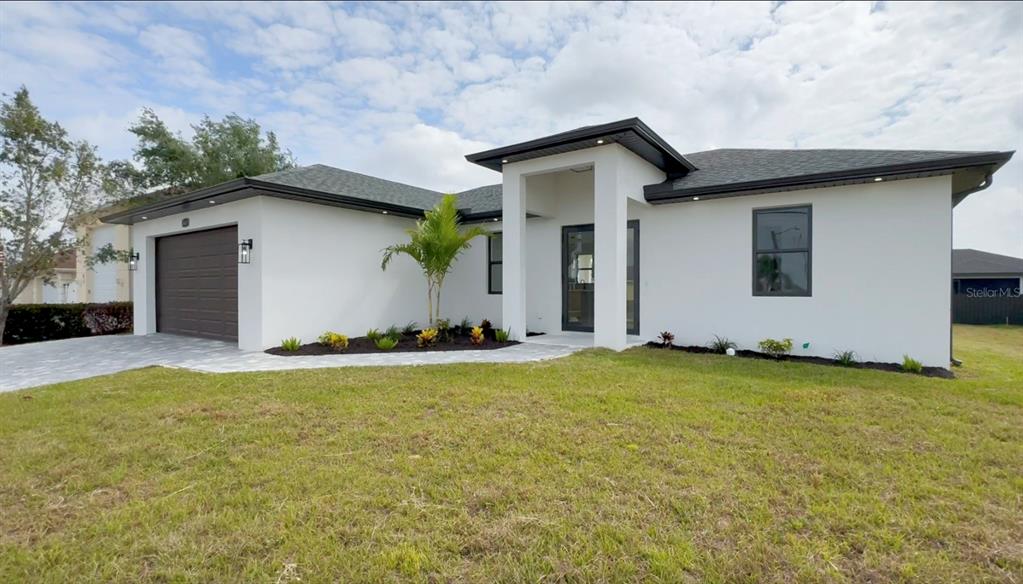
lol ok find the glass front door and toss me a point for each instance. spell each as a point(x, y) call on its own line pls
point(577, 270)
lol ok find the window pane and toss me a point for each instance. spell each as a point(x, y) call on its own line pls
point(779, 229)
point(496, 248)
point(782, 273)
point(495, 278)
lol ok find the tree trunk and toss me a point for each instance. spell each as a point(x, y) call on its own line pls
point(429, 302)
point(4, 309)
point(436, 305)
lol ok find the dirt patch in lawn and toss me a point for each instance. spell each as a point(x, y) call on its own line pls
point(893, 367)
point(407, 344)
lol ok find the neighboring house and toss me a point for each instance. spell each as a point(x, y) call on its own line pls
point(606, 229)
point(987, 288)
point(985, 274)
point(61, 288)
point(103, 282)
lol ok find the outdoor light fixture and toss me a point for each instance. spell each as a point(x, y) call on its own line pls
point(600, 141)
point(878, 179)
point(245, 251)
point(496, 219)
point(212, 202)
point(696, 198)
point(133, 261)
point(505, 161)
point(144, 217)
point(384, 212)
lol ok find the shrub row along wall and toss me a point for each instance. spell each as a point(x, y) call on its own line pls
point(27, 323)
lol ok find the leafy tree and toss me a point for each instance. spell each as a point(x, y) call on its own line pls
point(219, 152)
point(436, 242)
point(170, 165)
point(46, 181)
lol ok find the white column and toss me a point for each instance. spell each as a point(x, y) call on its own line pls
point(609, 248)
point(513, 217)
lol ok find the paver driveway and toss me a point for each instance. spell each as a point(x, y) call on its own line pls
point(35, 364)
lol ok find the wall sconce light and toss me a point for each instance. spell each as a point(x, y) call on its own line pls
point(245, 251)
point(133, 261)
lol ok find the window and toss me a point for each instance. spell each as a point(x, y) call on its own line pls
point(781, 251)
point(494, 264)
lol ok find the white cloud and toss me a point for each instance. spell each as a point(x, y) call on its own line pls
point(280, 46)
point(362, 36)
point(363, 85)
point(172, 43)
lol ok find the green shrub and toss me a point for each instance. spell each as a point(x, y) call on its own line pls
point(335, 341)
point(846, 358)
point(911, 365)
point(393, 332)
point(291, 344)
point(28, 323)
point(722, 344)
point(445, 333)
point(501, 335)
point(386, 343)
point(410, 328)
point(427, 337)
point(666, 338)
point(775, 348)
point(465, 326)
point(374, 334)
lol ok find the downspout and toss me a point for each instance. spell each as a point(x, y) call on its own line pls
point(951, 317)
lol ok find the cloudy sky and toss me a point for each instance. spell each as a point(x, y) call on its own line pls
point(360, 86)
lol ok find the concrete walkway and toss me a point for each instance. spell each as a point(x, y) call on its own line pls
point(49, 362)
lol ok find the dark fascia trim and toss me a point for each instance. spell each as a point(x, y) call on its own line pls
point(248, 187)
point(665, 193)
point(985, 275)
point(492, 158)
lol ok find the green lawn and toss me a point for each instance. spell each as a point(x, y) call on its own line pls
point(645, 465)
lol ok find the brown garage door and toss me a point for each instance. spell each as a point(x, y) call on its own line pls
point(197, 284)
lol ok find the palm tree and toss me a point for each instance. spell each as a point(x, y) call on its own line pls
point(436, 242)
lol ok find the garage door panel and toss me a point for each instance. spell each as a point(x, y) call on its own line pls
point(197, 284)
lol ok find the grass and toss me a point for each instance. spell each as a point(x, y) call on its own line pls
point(646, 465)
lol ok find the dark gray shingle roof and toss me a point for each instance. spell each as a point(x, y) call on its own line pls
point(972, 261)
point(481, 199)
point(729, 166)
point(334, 181)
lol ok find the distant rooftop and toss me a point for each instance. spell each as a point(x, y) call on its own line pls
point(976, 262)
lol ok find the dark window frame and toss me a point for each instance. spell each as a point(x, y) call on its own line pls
point(808, 250)
point(491, 263)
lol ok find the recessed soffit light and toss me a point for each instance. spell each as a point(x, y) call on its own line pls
point(600, 141)
point(878, 179)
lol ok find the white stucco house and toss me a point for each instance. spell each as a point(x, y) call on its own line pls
point(605, 229)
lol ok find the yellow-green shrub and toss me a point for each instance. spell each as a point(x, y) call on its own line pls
point(335, 341)
point(427, 337)
point(476, 335)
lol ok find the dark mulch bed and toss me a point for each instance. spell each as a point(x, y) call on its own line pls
point(893, 367)
point(407, 344)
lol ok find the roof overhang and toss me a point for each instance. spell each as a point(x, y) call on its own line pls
point(987, 162)
point(631, 133)
point(244, 188)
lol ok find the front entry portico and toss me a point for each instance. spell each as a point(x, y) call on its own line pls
point(566, 243)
